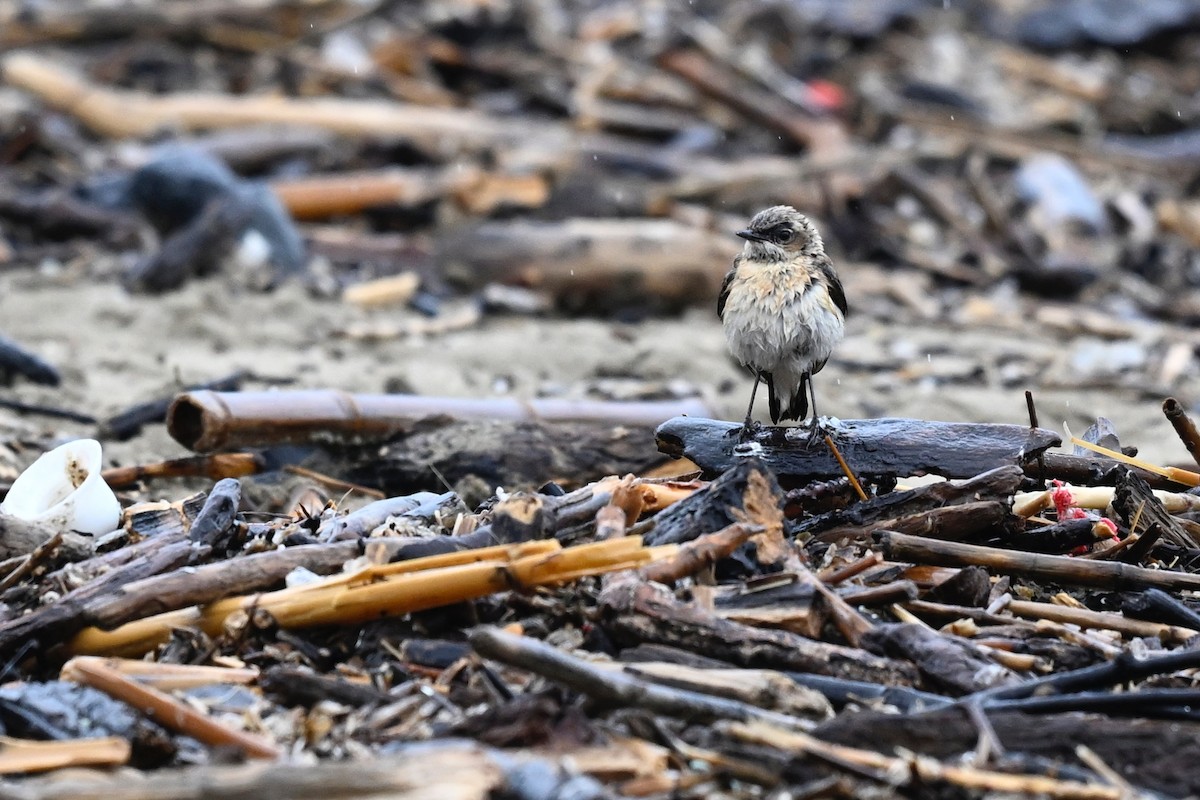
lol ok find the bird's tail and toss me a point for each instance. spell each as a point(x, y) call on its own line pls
point(797, 400)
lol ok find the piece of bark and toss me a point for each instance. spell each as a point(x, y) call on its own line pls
point(588, 264)
point(747, 493)
point(951, 664)
point(636, 613)
point(874, 448)
point(1057, 569)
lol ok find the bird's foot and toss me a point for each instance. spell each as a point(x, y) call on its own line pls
point(816, 432)
point(749, 429)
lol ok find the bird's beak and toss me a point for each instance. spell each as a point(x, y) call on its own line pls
point(753, 236)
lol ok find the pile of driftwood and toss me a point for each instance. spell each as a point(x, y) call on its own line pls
point(784, 618)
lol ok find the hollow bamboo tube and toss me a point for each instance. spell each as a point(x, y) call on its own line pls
point(206, 421)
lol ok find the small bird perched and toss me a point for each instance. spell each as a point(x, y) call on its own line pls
point(784, 310)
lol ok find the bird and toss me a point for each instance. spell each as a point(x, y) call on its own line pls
point(783, 310)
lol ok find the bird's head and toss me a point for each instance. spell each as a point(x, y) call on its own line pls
point(780, 233)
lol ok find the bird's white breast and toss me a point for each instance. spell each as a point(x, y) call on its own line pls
point(776, 318)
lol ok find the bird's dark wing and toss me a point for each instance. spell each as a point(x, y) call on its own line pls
point(725, 284)
point(836, 292)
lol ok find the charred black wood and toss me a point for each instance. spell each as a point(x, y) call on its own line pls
point(512, 454)
point(214, 523)
point(1093, 470)
point(840, 692)
point(874, 448)
point(950, 663)
point(192, 251)
point(716, 506)
point(997, 484)
point(968, 587)
point(57, 214)
point(1143, 513)
point(129, 423)
point(16, 360)
point(293, 686)
point(967, 522)
point(1061, 537)
point(41, 409)
point(1158, 606)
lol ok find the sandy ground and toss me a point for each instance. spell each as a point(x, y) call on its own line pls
point(116, 349)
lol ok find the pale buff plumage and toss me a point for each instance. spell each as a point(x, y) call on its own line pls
point(783, 307)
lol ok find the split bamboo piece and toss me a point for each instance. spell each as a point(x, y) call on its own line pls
point(393, 290)
point(19, 755)
point(386, 590)
point(180, 676)
point(1186, 477)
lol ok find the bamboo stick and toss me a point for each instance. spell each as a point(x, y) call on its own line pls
point(416, 585)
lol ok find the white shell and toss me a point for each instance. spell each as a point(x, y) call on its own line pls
point(63, 489)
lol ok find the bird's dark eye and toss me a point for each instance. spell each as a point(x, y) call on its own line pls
point(785, 236)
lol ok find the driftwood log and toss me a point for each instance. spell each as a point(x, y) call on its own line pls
point(874, 448)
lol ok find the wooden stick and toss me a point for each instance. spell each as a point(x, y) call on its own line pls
point(322, 196)
point(163, 708)
point(920, 769)
point(1060, 569)
point(1083, 617)
point(215, 466)
point(125, 114)
point(1183, 425)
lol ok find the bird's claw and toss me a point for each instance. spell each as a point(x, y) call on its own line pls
point(816, 432)
point(749, 429)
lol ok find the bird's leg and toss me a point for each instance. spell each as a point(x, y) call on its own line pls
point(814, 423)
point(748, 426)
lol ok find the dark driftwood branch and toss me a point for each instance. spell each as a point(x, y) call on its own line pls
point(1060, 569)
point(616, 688)
point(874, 448)
point(635, 613)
